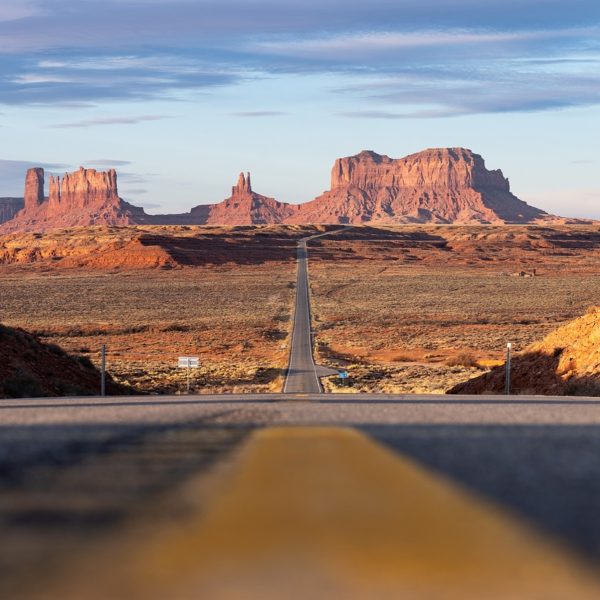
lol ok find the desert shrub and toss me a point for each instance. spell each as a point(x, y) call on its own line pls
point(281, 318)
point(404, 358)
point(464, 359)
point(23, 385)
point(175, 327)
point(267, 374)
point(135, 329)
point(274, 334)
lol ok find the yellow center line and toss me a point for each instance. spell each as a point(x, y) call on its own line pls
point(309, 512)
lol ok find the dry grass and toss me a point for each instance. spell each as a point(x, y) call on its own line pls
point(235, 318)
point(425, 323)
point(404, 309)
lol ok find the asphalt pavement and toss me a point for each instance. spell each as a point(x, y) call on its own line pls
point(74, 471)
point(302, 373)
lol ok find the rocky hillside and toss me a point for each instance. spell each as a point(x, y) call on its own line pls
point(448, 185)
point(86, 197)
point(244, 207)
point(30, 368)
point(566, 362)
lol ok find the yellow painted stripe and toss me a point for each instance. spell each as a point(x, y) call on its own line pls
point(329, 513)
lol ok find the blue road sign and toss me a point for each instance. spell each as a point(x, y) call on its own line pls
point(343, 375)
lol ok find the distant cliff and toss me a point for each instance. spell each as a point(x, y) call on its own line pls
point(245, 207)
point(86, 197)
point(443, 185)
point(447, 185)
point(9, 207)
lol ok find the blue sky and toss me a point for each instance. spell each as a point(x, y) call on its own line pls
point(182, 95)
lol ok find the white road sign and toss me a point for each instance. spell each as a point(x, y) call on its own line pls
point(188, 362)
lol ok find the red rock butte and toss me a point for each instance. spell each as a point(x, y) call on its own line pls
point(448, 185)
point(443, 185)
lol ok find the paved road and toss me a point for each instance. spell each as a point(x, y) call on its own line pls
point(73, 471)
point(303, 374)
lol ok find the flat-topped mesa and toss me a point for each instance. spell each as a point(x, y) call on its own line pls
point(442, 168)
point(439, 185)
point(34, 188)
point(243, 187)
point(80, 199)
point(84, 188)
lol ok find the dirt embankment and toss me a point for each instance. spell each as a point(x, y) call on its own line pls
point(566, 362)
point(30, 368)
point(151, 247)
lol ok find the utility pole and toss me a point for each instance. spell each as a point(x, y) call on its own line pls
point(507, 380)
point(103, 371)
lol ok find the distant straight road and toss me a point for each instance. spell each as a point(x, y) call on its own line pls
point(302, 373)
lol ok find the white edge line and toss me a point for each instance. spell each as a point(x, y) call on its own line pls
point(291, 356)
point(312, 358)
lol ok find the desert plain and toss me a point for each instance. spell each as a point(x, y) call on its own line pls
point(410, 309)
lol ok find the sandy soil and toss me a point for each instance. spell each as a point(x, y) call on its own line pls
point(420, 309)
point(235, 319)
point(403, 309)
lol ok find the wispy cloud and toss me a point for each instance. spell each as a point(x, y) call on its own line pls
point(85, 80)
point(457, 58)
point(258, 113)
point(18, 9)
point(8, 167)
point(349, 47)
point(474, 90)
point(181, 23)
point(107, 162)
point(372, 114)
point(135, 178)
point(36, 79)
point(110, 121)
point(151, 205)
point(136, 191)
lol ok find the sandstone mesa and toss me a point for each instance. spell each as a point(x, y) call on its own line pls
point(444, 185)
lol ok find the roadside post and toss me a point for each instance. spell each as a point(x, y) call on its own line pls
point(343, 375)
point(507, 379)
point(103, 371)
point(188, 363)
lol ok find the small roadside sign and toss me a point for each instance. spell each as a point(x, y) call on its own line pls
point(188, 362)
point(343, 374)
